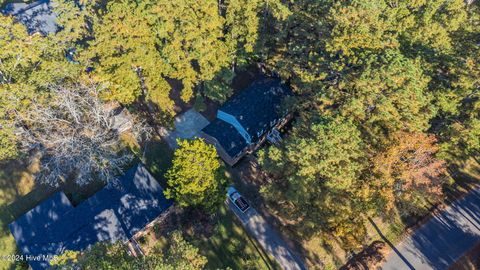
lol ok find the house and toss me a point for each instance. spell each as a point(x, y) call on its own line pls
point(249, 118)
point(112, 214)
point(38, 17)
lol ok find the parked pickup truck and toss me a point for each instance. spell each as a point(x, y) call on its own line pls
point(237, 199)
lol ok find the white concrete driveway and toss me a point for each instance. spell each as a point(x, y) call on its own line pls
point(187, 126)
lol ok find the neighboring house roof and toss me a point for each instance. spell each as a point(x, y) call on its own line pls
point(112, 214)
point(227, 136)
point(37, 16)
point(245, 117)
point(257, 105)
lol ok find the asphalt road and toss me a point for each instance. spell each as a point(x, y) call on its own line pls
point(442, 240)
point(271, 242)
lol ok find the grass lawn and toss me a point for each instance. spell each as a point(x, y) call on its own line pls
point(230, 246)
point(18, 194)
point(226, 245)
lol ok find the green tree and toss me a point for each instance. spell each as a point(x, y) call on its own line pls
point(32, 60)
point(420, 27)
point(389, 68)
point(28, 65)
point(102, 255)
point(219, 88)
point(20, 51)
point(137, 45)
point(8, 143)
point(361, 25)
point(177, 254)
point(461, 137)
point(134, 46)
point(243, 22)
point(124, 56)
point(427, 26)
point(319, 187)
point(427, 32)
point(459, 100)
point(195, 178)
point(297, 50)
point(191, 41)
point(388, 93)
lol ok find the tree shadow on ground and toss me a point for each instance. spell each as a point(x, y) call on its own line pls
point(158, 159)
point(464, 180)
point(391, 245)
point(11, 174)
point(448, 235)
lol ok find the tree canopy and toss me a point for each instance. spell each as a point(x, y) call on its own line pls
point(75, 136)
point(28, 65)
point(386, 94)
point(177, 254)
point(404, 76)
point(136, 47)
point(195, 178)
point(410, 176)
point(319, 167)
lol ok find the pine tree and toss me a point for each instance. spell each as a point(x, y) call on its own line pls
point(138, 45)
point(195, 178)
point(318, 168)
point(388, 93)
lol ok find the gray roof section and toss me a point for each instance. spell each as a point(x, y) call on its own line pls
point(257, 105)
point(112, 214)
point(44, 215)
point(227, 136)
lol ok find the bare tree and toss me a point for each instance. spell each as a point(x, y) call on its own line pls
point(75, 136)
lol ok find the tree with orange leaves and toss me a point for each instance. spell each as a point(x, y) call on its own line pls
point(409, 176)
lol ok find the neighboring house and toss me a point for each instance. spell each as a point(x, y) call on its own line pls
point(249, 118)
point(38, 16)
point(112, 214)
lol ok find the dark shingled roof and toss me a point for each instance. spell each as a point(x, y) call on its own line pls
point(254, 108)
point(112, 214)
point(257, 105)
point(227, 136)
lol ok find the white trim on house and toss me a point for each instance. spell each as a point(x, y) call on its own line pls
point(234, 122)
